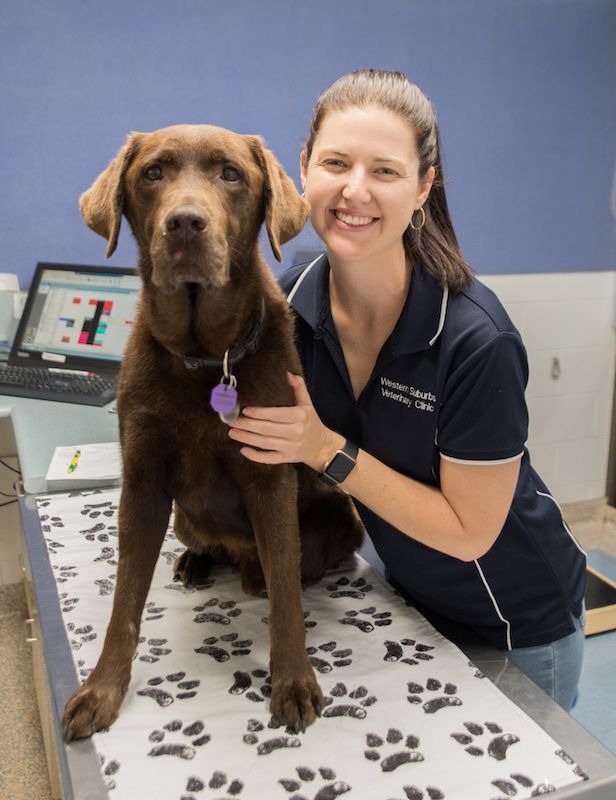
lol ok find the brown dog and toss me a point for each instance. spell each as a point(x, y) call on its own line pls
point(195, 197)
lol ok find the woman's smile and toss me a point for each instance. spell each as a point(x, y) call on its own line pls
point(362, 182)
point(353, 220)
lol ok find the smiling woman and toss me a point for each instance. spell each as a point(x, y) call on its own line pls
point(414, 144)
point(414, 394)
point(362, 199)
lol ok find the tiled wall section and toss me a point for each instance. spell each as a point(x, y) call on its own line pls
point(569, 317)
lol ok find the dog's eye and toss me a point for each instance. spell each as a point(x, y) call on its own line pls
point(230, 174)
point(154, 173)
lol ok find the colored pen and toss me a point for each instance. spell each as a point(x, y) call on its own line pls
point(73, 465)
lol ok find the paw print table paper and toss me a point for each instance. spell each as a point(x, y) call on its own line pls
point(407, 716)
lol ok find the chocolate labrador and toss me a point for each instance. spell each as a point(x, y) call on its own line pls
point(213, 333)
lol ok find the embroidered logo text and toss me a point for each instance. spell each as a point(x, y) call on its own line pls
point(407, 395)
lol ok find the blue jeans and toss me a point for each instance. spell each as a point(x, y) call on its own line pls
point(556, 666)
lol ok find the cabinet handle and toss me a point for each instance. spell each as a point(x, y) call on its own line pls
point(28, 629)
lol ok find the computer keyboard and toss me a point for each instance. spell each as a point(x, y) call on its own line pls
point(63, 386)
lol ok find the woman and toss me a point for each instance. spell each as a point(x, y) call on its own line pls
point(414, 401)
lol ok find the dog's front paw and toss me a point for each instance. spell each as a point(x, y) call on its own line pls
point(91, 708)
point(192, 569)
point(297, 700)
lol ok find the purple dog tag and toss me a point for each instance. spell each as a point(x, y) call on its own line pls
point(223, 398)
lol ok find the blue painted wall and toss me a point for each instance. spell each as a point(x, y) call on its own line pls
point(525, 91)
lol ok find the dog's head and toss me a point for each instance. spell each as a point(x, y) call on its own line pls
point(195, 197)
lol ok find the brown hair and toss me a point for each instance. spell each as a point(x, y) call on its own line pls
point(435, 245)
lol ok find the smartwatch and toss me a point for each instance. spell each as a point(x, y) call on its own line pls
point(340, 465)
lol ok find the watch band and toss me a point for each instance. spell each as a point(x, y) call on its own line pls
point(340, 465)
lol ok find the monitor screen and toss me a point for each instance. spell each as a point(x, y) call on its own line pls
point(81, 313)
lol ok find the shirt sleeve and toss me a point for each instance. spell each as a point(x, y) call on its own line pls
point(483, 416)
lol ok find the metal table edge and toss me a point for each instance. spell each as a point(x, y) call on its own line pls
point(79, 762)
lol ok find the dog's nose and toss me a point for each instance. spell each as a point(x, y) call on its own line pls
point(186, 221)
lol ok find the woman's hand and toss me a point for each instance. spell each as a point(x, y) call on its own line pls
point(286, 434)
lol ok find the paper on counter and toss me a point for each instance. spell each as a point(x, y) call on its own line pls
point(86, 462)
point(9, 282)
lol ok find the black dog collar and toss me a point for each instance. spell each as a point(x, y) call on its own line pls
point(245, 347)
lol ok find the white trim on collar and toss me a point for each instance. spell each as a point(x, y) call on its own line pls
point(441, 321)
point(291, 294)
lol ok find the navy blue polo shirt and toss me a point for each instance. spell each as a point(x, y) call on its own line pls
point(449, 383)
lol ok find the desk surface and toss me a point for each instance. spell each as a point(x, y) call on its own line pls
point(40, 426)
point(79, 760)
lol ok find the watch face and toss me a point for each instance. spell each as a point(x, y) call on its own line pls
point(339, 467)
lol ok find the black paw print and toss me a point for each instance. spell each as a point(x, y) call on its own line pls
point(83, 671)
point(67, 604)
point(308, 623)
point(226, 606)
point(179, 749)
point(434, 704)
point(577, 770)
point(517, 782)
point(54, 522)
point(107, 554)
point(109, 769)
point(477, 673)
point(497, 746)
point(408, 755)
point(355, 710)
point(156, 650)
point(81, 635)
point(356, 589)
point(94, 510)
point(63, 573)
point(415, 793)
point(325, 791)
point(421, 652)
point(153, 612)
point(342, 658)
point(89, 533)
point(52, 546)
point(264, 748)
point(219, 780)
point(242, 681)
point(365, 625)
point(237, 647)
point(164, 698)
point(106, 585)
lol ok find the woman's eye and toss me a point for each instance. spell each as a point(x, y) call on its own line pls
point(154, 173)
point(386, 171)
point(334, 162)
point(230, 174)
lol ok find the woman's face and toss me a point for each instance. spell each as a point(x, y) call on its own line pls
point(362, 182)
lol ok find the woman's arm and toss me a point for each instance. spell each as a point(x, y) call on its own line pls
point(462, 518)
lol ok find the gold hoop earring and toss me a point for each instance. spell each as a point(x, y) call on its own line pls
point(423, 219)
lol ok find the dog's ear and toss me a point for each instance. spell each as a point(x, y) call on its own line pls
point(286, 211)
point(102, 204)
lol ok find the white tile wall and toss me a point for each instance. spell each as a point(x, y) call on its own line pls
point(568, 317)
